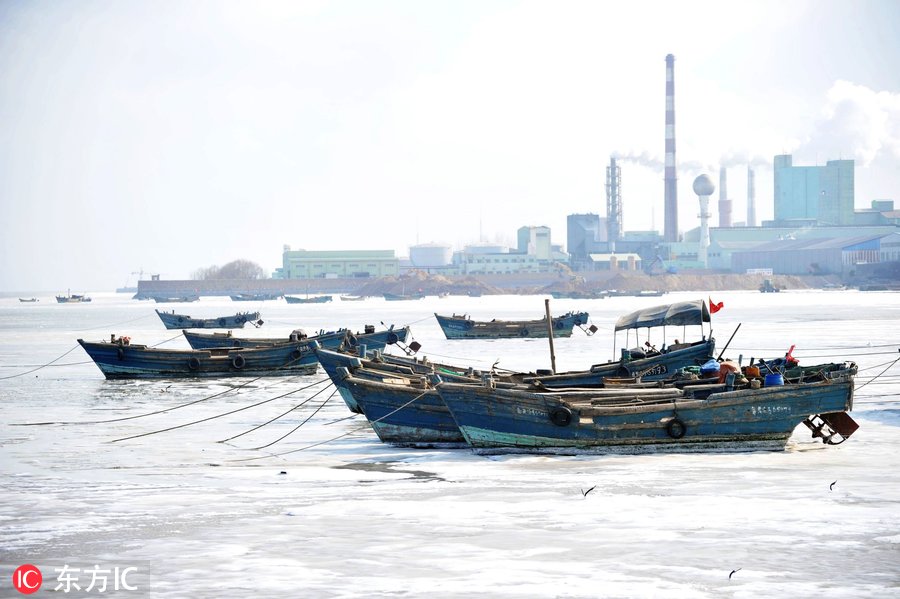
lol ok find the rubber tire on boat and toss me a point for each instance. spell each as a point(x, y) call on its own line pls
point(296, 354)
point(221, 322)
point(238, 362)
point(524, 332)
point(560, 324)
point(352, 340)
point(578, 321)
point(392, 338)
point(194, 363)
point(240, 319)
point(181, 319)
point(676, 428)
point(120, 353)
point(561, 416)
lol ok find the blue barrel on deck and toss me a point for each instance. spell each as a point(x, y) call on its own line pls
point(773, 380)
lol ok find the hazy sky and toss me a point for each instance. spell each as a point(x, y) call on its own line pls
point(172, 135)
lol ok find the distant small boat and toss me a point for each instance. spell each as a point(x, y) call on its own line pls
point(394, 297)
point(463, 327)
point(71, 298)
point(119, 359)
point(180, 299)
point(579, 294)
point(183, 321)
point(29, 300)
point(320, 299)
point(254, 297)
point(352, 298)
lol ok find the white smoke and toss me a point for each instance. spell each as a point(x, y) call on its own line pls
point(856, 122)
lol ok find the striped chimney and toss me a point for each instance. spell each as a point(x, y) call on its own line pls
point(670, 232)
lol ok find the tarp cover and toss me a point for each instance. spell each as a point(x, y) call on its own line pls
point(681, 313)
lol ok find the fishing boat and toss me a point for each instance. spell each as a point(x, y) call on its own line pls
point(29, 300)
point(71, 298)
point(183, 321)
point(581, 295)
point(395, 297)
point(352, 298)
point(462, 327)
point(319, 299)
point(403, 410)
point(120, 359)
point(695, 418)
point(371, 338)
point(175, 299)
point(254, 297)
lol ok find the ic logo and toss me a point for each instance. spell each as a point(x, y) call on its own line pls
point(27, 579)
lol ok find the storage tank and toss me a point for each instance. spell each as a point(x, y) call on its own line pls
point(430, 254)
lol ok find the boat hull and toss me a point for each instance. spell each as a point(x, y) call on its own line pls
point(331, 340)
point(505, 419)
point(119, 361)
point(460, 327)
point(402, 413)
point(182, 321)
point(650, 368)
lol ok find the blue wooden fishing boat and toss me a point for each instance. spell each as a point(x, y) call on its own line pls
point(703, 417)
point(463, 327)
point(320, 299)
point(29, 300)
point(402, 408)
point(399, 297)
point(120, 359)
point(174, 299)
point(331, 340)
point(254, 297)
point(183, 321)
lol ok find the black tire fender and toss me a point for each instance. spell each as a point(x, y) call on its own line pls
point(238, 362)
point(194, 363)
point(120, 353)
point(352, 340)
point(296, 354)
point(392, 338)
point(240, 319)
point(524, 332)
point(561, 416)
point(675, 428)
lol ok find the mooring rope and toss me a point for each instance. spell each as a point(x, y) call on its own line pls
point(282, 415)
point(348, 433)
point(308, 418)
point(12, 376)
point(115, 324)
point(160, 411)
point(235, 411)
point(889, 366)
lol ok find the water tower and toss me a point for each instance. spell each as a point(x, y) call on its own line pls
point(703, 187)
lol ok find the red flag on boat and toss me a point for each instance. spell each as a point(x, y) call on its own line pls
point(714, 307)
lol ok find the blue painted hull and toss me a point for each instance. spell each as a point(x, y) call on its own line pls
point(118, 361)
point(331, 340)
point(504, 419)
point(651, 368)
point(461, 327)
point(307, 300)
point(405, 414)
point(182, 321)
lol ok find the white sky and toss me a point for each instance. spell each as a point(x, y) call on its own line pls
point(173, 135)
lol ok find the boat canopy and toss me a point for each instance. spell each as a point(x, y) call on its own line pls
point(680, 313)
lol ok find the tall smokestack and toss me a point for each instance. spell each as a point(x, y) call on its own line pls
point(613, 203)
point(724, 202)
point(751, 197)
point(671, 191)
